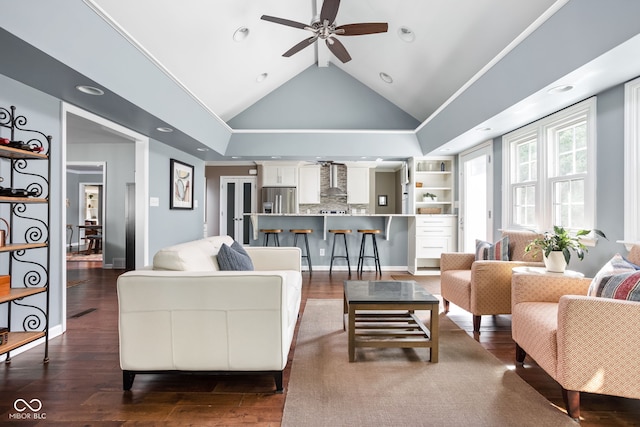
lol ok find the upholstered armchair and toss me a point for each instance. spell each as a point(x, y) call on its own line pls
point(484, 287)
point(585, 343)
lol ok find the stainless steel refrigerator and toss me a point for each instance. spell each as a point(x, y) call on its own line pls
point(279, 200)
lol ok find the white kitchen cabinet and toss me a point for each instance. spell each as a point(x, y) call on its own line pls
point(358, 185)
point(309, 184)
point(429, 236)
point(279, 175)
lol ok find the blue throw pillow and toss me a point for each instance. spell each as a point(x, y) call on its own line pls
point(234, 258)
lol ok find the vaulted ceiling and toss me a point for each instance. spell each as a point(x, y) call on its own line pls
point(214, 72)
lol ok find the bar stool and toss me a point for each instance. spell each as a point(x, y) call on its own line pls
point(271, 232)
point(375, 255)
point(304, 233)
point(342, 233)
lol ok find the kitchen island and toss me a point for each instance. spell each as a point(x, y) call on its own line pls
point(395, 243)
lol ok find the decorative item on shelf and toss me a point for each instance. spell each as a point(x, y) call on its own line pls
point(431, 211)
point(429, 197)
point(4, 234)
point(556, 247)
point(18, 192)
point(21, 145)
point(4, 336)
point(5, 285)
point(418, 184)
point(442, 166)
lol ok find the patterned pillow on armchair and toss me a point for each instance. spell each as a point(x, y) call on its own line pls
point(611, 276)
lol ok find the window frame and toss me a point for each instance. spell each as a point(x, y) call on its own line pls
point(631, 162)
point(543, 131)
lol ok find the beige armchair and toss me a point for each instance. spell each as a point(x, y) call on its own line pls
point(587, 344)
point(484, 287)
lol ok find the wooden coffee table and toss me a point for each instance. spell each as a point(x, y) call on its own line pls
point(380, 313)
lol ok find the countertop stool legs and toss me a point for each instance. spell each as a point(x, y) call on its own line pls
point(337, 233)
point(271, 232)
point(303, 233)
point(375, 256)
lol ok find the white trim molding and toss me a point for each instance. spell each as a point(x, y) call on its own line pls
point(631, 161)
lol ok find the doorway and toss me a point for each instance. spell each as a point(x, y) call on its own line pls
point(85, 214)
point(81, 130)
point(476, 196)
point(237, 197)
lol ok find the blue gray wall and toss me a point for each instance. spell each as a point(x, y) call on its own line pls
point(324, 98)
point(171, 226)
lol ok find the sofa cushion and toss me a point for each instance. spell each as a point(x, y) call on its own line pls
point(496, 251)
point(616, 265)
point(198, 255)
point(234, 258)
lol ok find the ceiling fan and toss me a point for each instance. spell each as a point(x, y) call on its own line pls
point(325, 28)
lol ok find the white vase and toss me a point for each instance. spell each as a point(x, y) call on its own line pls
point(555, 262)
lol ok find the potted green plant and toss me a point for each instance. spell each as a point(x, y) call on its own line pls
point(557, 245)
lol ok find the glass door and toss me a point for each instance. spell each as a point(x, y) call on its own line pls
point(237, 197)
point(476, 195)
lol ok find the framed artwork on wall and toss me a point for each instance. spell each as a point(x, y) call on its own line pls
point(181, 185)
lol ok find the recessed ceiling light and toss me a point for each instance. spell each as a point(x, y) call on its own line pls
point(560, 89)
point(262, 77)
point(236, 157)
point(90, 90)
point(406, 34)
point(164, 129)
point(240, 34)
point(386, 78)
point(202, 149)
point(275, 157)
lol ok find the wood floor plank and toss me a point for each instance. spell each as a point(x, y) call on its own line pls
point(82, 383)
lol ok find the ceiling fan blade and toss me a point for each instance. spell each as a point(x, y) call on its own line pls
point(297, 48)
point(338, 49)
point(362, 29)
point(329, 10)
point(283, 21)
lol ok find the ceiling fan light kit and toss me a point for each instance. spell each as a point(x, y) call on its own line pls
point(325, 29)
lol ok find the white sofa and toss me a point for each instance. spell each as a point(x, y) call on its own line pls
point(184, 314)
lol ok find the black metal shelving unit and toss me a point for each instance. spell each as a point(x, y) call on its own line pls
point(25, 257)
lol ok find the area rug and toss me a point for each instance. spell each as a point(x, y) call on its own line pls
point(391, 387)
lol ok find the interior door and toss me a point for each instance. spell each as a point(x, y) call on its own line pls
point(237, 197)
point(476, 196)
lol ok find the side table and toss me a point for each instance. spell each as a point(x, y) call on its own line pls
point(541, 271)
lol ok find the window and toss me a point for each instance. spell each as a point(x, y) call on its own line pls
point(549, 171)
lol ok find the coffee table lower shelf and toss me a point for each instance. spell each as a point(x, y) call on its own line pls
point(395, 329)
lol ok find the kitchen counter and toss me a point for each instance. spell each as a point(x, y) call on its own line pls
point(330, 219)
point(393, 245)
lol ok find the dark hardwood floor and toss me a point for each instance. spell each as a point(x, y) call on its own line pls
point(82, 383)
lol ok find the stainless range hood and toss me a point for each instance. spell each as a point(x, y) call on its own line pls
point(333, 189)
